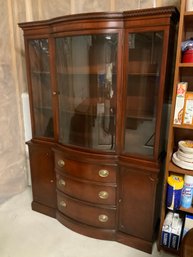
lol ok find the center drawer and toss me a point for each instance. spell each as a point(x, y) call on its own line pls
point(85, 170)
point(85, 213)
point(87, 190)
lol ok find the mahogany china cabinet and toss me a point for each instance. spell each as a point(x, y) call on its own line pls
point(99, 89)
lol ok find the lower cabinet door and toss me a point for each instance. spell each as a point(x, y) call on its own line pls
point(42, 174)
point(137, 202)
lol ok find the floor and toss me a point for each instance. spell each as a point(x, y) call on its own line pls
point(25, 233)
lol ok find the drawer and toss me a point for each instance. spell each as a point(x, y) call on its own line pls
point(86, 190)
point(81, 212)
point(90, 171)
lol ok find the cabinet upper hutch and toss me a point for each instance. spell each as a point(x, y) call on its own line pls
point(99, 89)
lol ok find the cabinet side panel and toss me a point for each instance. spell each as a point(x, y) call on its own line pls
point(42, 174)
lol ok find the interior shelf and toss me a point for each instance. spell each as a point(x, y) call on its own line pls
point(170, 250)
point(85, 70)
point(143, 74)
point(174, 168)
point(188, 210)
point(36, 72)
point(185, 64)
point(183, 126)
point(188, 17)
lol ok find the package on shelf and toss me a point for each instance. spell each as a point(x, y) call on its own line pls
point(175, 184)
point(180, 100)
point(171, 231)
point(188, 109)
point(176, 231)
point(166, 229)
point(188, 223)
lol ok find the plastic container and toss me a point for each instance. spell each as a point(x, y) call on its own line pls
point(187, 56)
point(174, 188)
point(187, 192)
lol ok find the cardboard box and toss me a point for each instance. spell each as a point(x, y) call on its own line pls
point(188, 109)
point(188, 223)
point(180, 100)
point(171, 231)
point(176, 232)
point(166, 230)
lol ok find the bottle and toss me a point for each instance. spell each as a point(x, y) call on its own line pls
point(174, 188)
point(187, 192)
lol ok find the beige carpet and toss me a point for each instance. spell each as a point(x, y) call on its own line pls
point(25, 233)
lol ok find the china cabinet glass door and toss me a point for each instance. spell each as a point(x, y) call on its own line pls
point(41, 88)
point(143, 82)
point(86, 78)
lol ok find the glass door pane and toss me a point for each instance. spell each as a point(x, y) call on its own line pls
point(41, 88)
point(86, 76)
point(143, 81)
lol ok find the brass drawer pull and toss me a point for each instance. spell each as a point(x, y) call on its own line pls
point(62, 182)
point(63, 204)
point(103, 173)
point(103, 194)
point(61, 163)
point(103, 218)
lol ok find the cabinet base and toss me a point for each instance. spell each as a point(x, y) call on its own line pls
point(105, 234)
point(49, 211)
point(134, 242)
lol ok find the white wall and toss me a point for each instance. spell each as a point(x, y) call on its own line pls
point(12, 154)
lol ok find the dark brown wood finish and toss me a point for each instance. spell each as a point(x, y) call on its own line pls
point(43, 177)
point(105, 193)
point(137, 212)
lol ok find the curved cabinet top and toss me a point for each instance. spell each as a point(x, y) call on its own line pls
point(104, 20)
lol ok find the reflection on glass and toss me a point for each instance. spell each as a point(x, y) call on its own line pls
point(41, 88)
point(86, 76)
point(144, 61)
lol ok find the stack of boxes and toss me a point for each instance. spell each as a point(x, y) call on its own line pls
point(175, 226)
point(171, 231)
